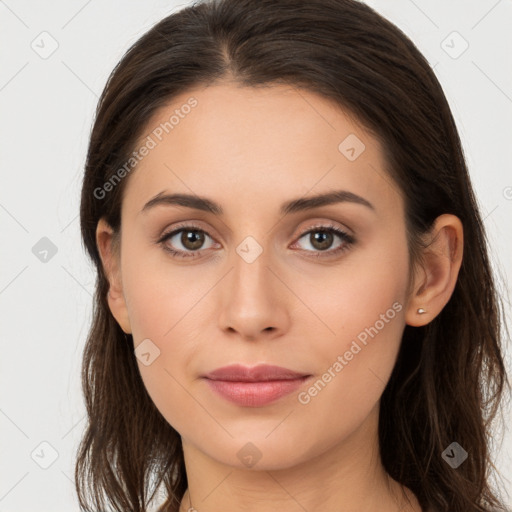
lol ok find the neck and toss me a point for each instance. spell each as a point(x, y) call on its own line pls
point(345, 477)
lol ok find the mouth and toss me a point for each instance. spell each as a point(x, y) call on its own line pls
point(254, 387)
point(259, 373)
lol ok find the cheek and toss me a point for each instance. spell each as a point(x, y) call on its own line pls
point(165, 305)
point(368, 287)
point(159, 293)
point(362, 311)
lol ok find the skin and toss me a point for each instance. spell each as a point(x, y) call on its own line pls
point(251, 150)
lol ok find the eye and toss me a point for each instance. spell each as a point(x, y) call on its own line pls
point(190, 237)
point(321, 238)
point(192, 240)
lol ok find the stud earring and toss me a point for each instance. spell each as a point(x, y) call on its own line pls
point(421, 311)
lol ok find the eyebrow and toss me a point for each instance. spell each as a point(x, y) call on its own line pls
point(293, 206)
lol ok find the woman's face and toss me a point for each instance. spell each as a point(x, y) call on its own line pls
point(263, 279)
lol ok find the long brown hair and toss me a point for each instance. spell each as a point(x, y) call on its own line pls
point(449, 377)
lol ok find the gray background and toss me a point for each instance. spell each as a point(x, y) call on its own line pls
point(47, 104)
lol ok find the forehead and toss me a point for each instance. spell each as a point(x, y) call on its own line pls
point(244, 143)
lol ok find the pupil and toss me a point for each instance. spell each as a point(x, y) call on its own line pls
point(321, 239)
point(192, 239)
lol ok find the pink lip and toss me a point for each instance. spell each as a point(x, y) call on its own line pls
point(256, 386)
point(261, 372)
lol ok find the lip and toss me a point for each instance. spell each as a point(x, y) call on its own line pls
point(254, 386)
point(258, 373)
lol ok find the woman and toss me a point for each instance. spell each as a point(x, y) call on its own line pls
point(295, 308)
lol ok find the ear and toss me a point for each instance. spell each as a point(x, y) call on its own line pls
point(110, 253)
point(435, 281)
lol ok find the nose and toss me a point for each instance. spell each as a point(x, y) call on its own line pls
point(253, 301)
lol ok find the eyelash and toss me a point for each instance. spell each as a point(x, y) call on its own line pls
point(346, 238)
